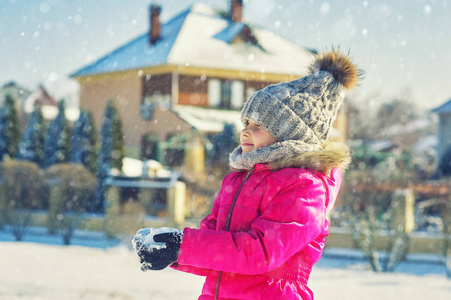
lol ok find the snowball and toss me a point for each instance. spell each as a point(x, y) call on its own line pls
point(145, 237)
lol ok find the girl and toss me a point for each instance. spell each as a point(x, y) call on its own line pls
point(268, 224)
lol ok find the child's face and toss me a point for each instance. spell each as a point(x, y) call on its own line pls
point(254, 136)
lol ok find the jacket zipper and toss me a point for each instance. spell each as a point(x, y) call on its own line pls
point(229, 218)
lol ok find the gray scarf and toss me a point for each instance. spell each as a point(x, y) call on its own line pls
point(247, 161)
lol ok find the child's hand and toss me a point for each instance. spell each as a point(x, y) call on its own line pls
point(157, 248)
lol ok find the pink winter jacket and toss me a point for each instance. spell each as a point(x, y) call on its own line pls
point(277, 230)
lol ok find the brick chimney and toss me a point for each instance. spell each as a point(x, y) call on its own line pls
point(236, 10)
point(155, 24)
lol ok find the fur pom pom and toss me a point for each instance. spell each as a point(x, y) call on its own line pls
point(339, 65)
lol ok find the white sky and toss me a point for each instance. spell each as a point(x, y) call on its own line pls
point(404, 45)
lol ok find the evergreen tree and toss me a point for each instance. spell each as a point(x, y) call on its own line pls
point(9, 129)
point(84, 142)
point(112, 141)
point(31, 147)
point(57, 143)
point(111, 150)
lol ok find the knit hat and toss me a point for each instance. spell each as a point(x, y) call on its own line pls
point(300, 113)
point(304, 109)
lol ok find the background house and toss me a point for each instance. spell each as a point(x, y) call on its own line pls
point(27, 99)
point(17, 91)
point(185, 78)
point(19, 94)
point(444, 138)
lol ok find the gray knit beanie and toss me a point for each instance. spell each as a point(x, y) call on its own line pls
point(300, 113)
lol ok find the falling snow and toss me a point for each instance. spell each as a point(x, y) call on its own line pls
point(60, 36)
point(97, 268)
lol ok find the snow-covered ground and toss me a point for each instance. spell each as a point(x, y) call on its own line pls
point(97, 268)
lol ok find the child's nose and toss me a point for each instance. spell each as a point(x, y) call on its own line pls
point(245, 132)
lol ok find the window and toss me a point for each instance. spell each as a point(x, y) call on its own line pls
point(249, 92)
point(225, 93)
point(237, 94)
point(214, 92)
point(156, 91)
point(149, 102)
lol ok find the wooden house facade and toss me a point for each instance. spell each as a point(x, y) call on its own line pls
point(187, 76)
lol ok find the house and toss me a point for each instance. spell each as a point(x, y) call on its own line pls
point(414, 140)
point(39, 97)
point(201, 62)
point(19, 94)
point(26, 100)
point(407, 135)
point(49, 106)
point(444, 138)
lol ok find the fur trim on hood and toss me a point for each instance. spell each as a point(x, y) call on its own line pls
point(333, 155)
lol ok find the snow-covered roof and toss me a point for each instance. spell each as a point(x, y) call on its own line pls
point(411, 127)
point(200, 37)
point(445, 108)
point(426, 144)
point(208, 120)
point(230, 32)
point(381, 145)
